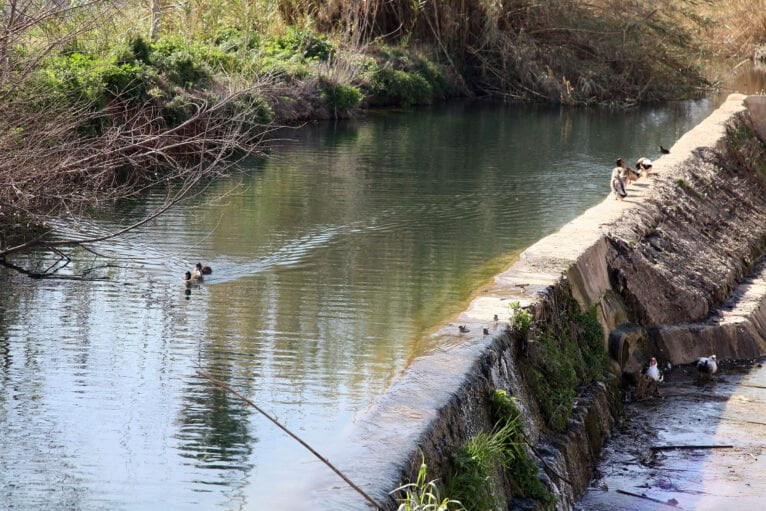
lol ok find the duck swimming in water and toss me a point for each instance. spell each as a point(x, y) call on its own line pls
point(190, 277)
point(663, 150)
point(204, 270)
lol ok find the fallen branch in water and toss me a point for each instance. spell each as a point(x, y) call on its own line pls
point(324, 460)
point(743, 421)
point(751, 386)
point(671, 447)
point(639, 496)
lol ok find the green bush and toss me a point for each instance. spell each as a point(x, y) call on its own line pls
point(395, 87)
point(288, 70)
point(304, 43)
point(521, 320)
point(339, 96)
point(94, 79)
point(571, 353)
point(252, 102)
point(177, 62)
point(474, 466)
point(434, 75)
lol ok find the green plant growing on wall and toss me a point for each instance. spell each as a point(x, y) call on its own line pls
point(523, 470)
point(521, 320)
point(475, 465)
point(424, 495)
point(568, 352)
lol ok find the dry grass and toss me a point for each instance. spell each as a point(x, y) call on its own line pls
point(740, 28)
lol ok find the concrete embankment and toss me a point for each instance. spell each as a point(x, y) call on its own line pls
point(654, 269)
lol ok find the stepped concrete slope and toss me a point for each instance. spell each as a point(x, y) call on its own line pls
point(672, 273)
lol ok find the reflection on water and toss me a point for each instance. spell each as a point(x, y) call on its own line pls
point(330, 260)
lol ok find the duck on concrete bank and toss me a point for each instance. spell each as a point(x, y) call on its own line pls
point(644, 165)
point(618, 185)
point(707, 367)
point(653, 372)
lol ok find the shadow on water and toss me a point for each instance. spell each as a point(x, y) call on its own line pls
point(728, 411)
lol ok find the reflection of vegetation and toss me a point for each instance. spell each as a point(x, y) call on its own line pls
point(215, 428)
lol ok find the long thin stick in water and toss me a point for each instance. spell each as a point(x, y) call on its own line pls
point(227, 388)
point(671, 447)
point(648, 498)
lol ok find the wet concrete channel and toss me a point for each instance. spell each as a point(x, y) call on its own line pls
point(639, 470)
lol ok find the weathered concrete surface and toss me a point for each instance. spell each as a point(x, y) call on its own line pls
point(736, 330)
point(729, 410)
point(670, 253)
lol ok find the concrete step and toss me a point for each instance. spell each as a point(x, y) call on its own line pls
point(736, 330)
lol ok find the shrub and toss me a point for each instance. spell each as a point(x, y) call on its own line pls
point(94, 79)
point(521, 319)
point(571, 353)
point(303, 43)
point(395, 87)
point(287, 70)
point(339, 96)
point(174, 59)
point(471, 480)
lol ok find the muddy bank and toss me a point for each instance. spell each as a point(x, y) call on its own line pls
point(670, 254)
point(726, 412)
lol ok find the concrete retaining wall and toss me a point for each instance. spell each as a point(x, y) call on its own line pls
point(656, 266)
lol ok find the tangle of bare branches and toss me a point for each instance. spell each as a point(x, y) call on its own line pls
point(51, 167)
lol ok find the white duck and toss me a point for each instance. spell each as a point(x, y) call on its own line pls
point(653, 372)
point(707, 366)
point(649, 382)
point(643, 164)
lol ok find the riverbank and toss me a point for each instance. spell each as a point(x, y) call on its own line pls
point(194, 89)
point(704, 202)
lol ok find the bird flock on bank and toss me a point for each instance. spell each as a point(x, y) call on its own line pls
point(623, 175)
point(652, 376)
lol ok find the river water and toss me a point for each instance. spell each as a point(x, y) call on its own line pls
point(332, 260)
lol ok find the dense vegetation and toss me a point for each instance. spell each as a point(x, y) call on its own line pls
point(99, 99)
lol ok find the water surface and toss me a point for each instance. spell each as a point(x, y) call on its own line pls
point(331, 260)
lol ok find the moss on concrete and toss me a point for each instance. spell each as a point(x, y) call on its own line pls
point(562, 354)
